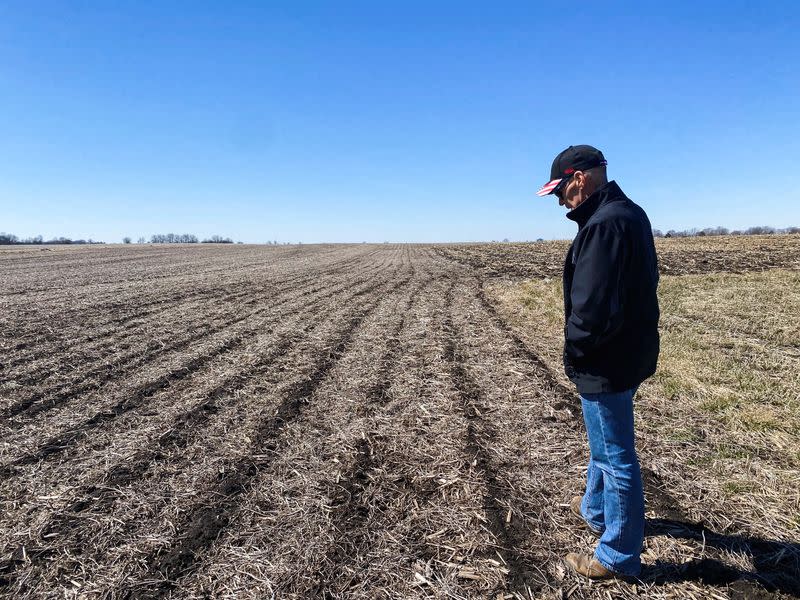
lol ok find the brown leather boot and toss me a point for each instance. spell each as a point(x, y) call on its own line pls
point(588, 566)
point(575, 507)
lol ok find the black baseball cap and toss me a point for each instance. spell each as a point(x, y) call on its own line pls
point(574, 158)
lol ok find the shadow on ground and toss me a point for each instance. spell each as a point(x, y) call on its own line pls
point(776, 563)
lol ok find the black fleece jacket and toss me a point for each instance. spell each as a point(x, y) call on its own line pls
point(610, 305)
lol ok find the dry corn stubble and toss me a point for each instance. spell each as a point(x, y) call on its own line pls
point(390, 423)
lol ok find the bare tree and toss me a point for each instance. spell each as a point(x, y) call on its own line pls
point(760, 230)
point(173, 238)
point(217, 239)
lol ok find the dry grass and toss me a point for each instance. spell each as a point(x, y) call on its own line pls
point(719, 421)
point(730, 342)
point(731, 347)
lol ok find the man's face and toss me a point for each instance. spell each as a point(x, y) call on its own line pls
point(569, 193)
point(576, 189)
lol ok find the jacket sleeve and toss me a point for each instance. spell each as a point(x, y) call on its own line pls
point(597, 290)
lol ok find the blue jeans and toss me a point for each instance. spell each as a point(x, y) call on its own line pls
point(614, 500)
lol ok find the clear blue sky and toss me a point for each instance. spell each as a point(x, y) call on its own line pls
point(406, 121)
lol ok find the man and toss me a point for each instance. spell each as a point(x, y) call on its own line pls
point(610, 346)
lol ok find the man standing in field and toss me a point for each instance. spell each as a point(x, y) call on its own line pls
point(610, 346)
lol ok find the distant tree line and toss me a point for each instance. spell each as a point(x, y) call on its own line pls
point(180, 238)
point(710, 231)
point(173, 238)
point(188, 238)
point(7, 239)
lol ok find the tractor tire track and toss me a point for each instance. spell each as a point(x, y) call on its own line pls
point(271, 290)
point(348, 505)
point(189, 424)
point(522, 350)
point(116, 334)
point(63, 441)
point(163, 305)
point(44, 401)
point(102, 495)
point(511, 536)
point(203, 524)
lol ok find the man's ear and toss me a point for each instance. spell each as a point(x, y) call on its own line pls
point(580, 179)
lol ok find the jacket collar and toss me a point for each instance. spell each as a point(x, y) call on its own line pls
point(581, 215)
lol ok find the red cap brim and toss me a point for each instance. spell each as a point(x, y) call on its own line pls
point(548, 187)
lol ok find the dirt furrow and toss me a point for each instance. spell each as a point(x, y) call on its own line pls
point(135, 357)
point(567, 396)
point(349, 504)
point(70, 336)
point(49, 353)
point(202, 524)
point(139, 396)
point(512, 534)
point(398, 491)
point(378, 393)
point(512, 405)
point(43, 401)
point(296, 393)
point(189, 424)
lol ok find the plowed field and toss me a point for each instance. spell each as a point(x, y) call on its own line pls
point(291, 422)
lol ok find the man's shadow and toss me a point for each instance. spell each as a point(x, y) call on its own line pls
point(777, 563)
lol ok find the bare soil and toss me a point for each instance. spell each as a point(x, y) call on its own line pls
point(331, 421)
point(677, 256)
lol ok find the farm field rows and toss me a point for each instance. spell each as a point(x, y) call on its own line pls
point(348, 421)
point(676, 256)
